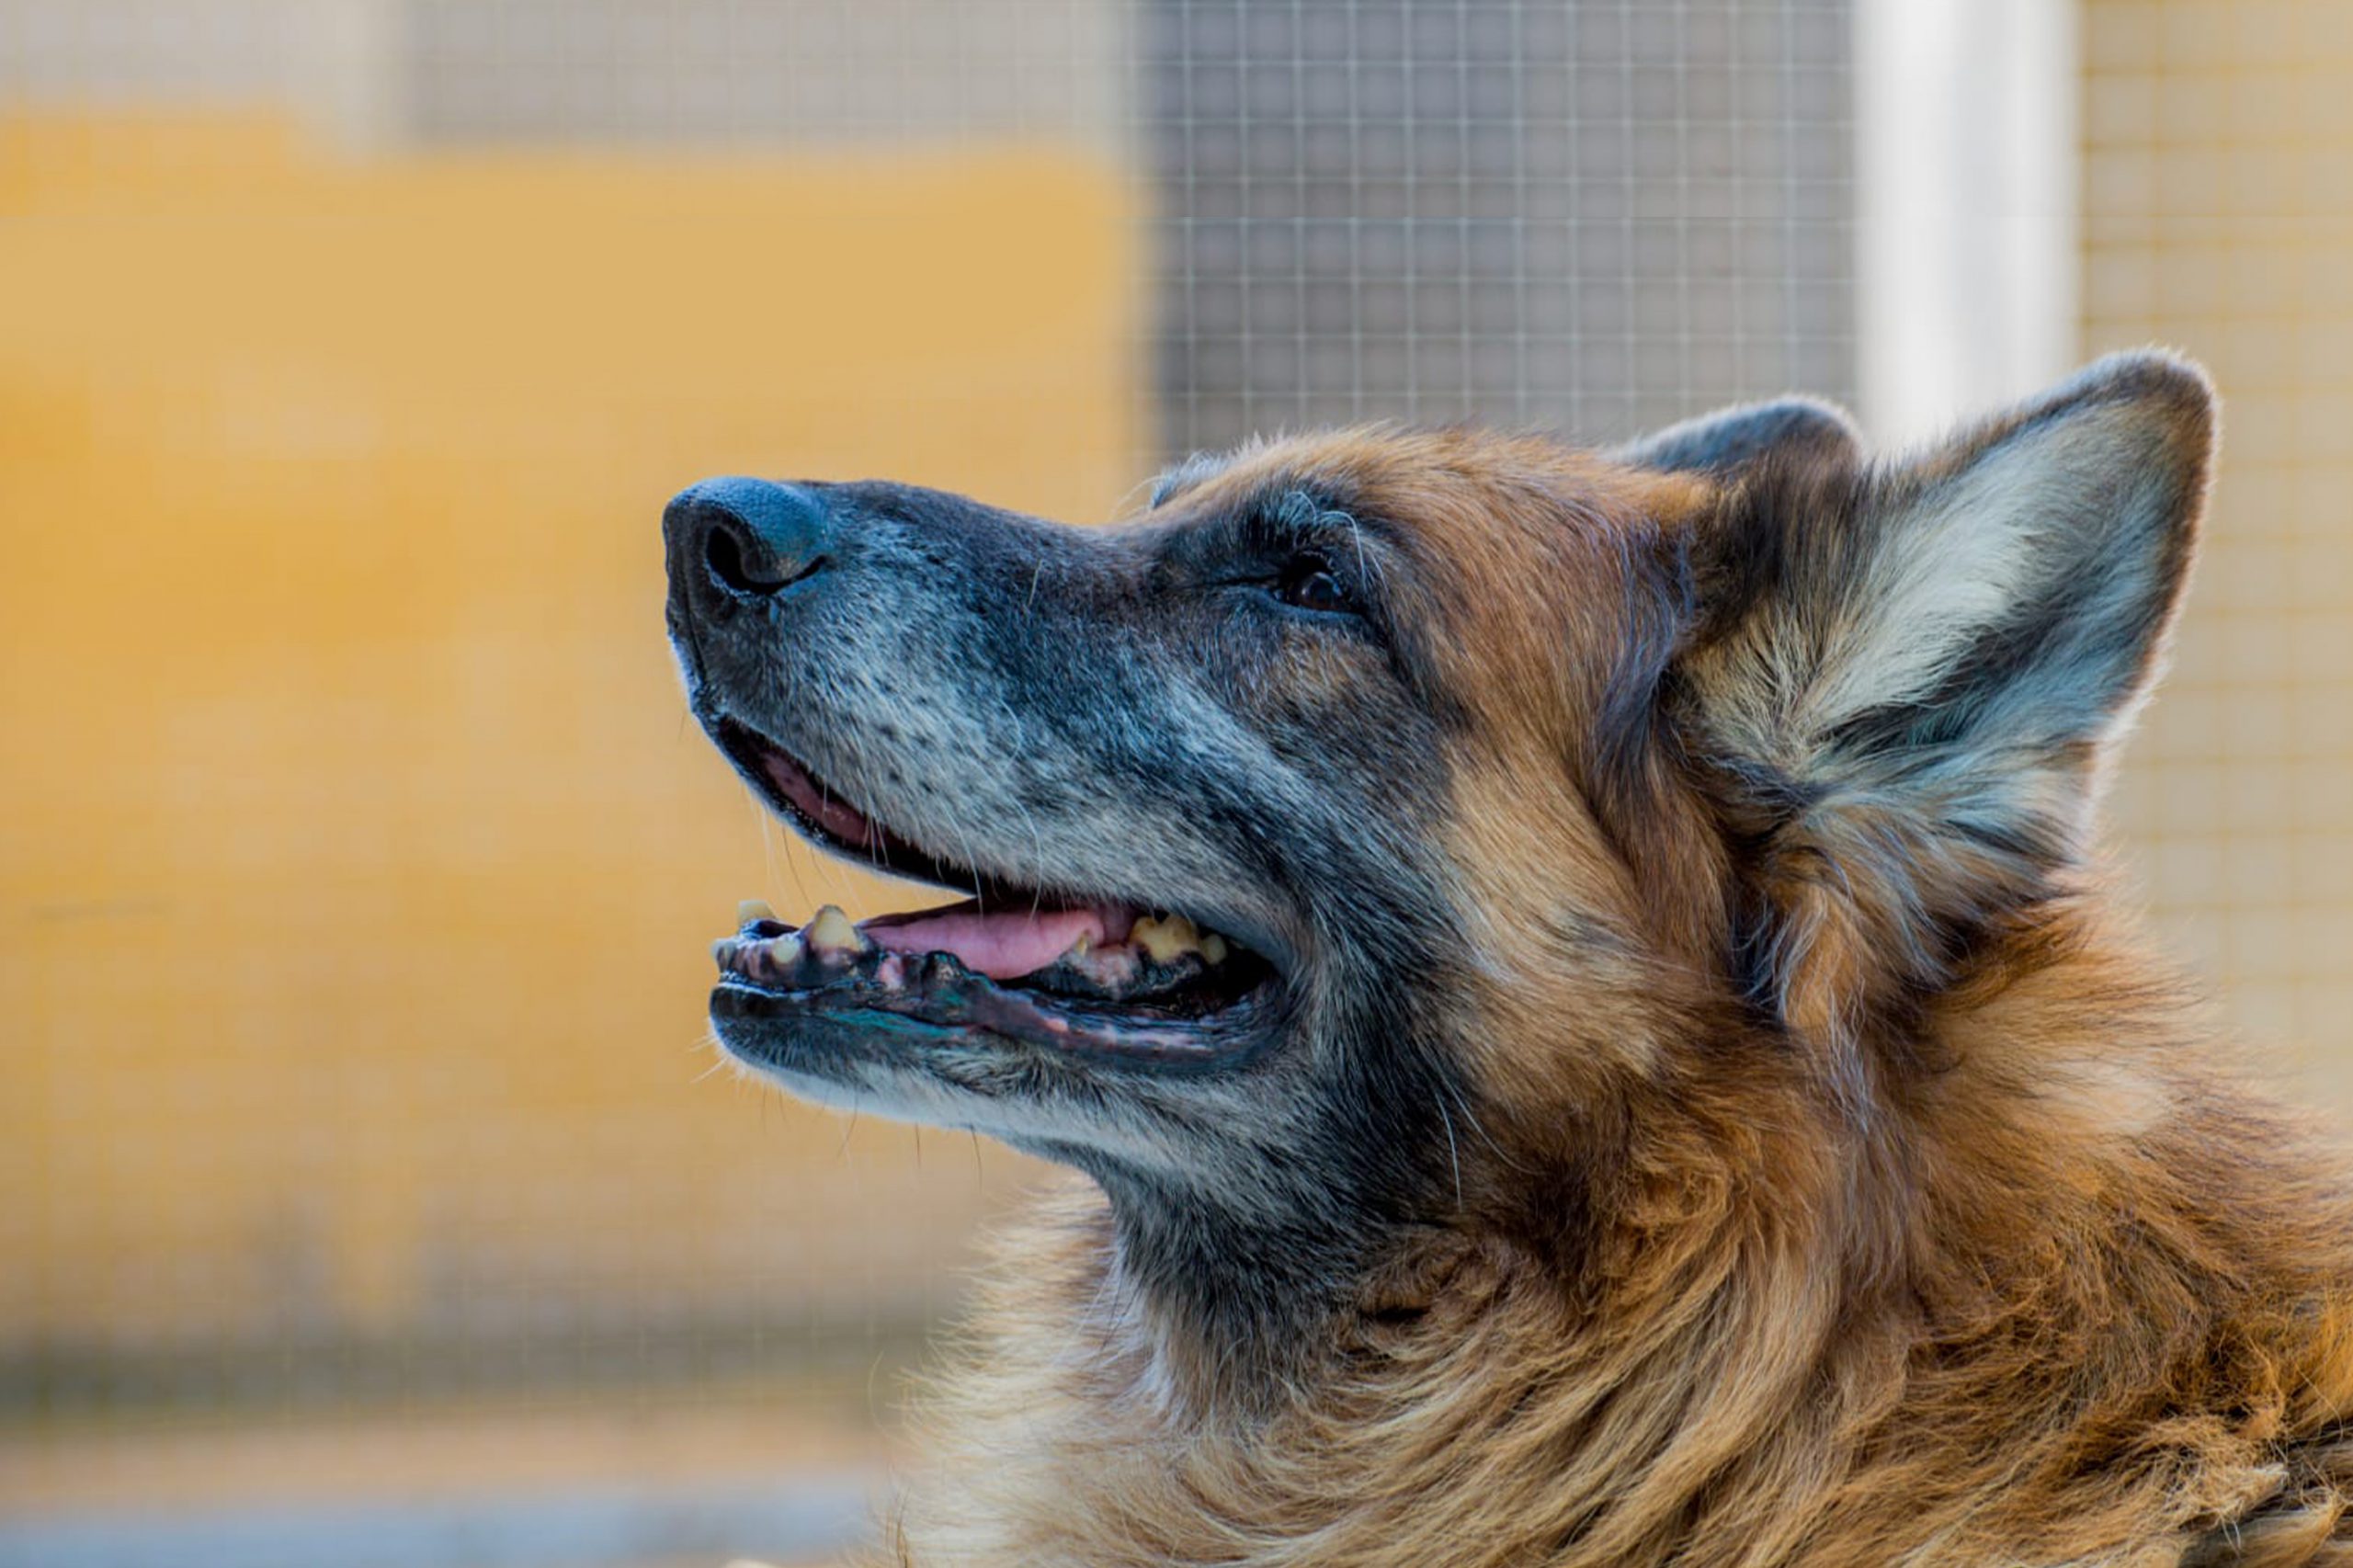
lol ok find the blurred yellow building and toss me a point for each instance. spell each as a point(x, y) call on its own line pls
point(357, 860)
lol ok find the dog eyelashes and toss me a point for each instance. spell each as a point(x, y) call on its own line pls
point(1316, 554)
point(1308, 582)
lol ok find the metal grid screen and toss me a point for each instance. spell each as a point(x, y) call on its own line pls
point(2217, 142)
point(1591, 217)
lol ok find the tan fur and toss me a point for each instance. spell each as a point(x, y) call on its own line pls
point(2043, 1285)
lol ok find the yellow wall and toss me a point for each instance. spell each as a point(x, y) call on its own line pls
point(2217, 210)
point(357, 860)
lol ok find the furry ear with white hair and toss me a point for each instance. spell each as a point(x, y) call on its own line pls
point(1904, 677)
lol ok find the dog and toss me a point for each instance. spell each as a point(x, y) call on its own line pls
point(1578, 986)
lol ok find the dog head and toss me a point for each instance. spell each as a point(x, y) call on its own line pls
point(1353, 837)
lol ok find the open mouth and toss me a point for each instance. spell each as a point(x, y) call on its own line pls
point(1018, 963)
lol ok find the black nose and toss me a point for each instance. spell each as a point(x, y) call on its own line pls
point(752, 539)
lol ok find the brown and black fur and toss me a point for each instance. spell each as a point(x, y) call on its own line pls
point(1721, 1117)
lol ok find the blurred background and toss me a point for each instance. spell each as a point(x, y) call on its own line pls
point(367, 1197)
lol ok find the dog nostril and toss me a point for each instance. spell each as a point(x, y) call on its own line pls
point(751, 538)
point(758, 576)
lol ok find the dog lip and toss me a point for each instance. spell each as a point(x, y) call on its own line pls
point(828, 820)
point(837, 817)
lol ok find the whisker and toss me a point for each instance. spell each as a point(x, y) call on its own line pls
point(1453, 1155)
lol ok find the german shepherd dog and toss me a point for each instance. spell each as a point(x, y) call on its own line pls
point(1580, 986)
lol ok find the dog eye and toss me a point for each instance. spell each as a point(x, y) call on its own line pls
point(1307, 582)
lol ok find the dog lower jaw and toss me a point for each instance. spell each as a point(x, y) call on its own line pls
point(909, 1009)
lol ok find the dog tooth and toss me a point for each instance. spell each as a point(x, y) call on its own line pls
point(1213, 948)
point(831, 934)
point(720, 951)
point(752, 909)
point(1165, 940)
point(784, 952)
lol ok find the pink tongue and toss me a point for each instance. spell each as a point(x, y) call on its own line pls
point(1002, 946)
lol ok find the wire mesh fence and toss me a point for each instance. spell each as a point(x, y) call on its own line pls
point(1592, 218)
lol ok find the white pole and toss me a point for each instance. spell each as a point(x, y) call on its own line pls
point(1967, 168)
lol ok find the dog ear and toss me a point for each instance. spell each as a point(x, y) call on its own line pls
point(1904, 680)
point(1801, 429)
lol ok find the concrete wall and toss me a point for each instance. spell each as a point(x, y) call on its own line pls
point(704, 73)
